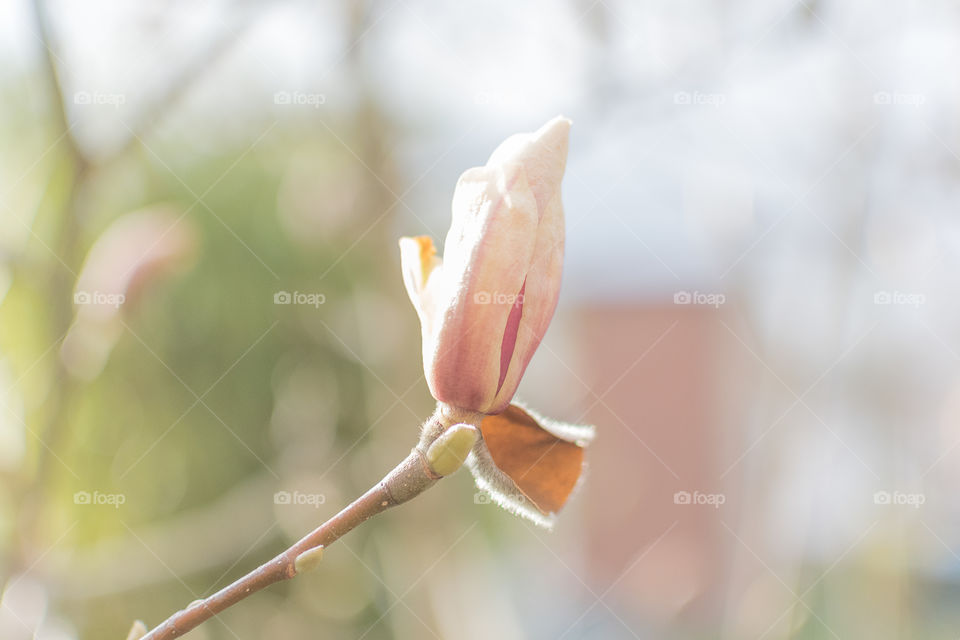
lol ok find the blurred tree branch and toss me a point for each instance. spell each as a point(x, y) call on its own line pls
point(65, 201)
point(59, 287)
point(180, 85)
point(68, 250)
point(54, 82)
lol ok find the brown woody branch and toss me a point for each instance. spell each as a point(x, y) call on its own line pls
point(440, 452)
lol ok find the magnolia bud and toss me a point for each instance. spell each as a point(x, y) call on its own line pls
point(448, 452)
point(486, 305)
point(137, 631)
point(309, 560)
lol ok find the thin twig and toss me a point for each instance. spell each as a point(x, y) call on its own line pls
point(434, 458)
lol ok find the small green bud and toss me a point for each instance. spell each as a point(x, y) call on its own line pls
point(137, 631)
point(309, 560)
point(448, 452)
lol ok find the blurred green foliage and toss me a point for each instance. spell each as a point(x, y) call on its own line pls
point(211, 389)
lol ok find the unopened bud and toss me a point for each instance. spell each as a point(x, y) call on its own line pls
point(448, 452)
point(309, 560)
point(137, 631)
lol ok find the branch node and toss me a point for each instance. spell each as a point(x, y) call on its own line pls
point(308, 560)
point(137, 631)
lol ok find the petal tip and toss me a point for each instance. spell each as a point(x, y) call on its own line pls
point(419, 250)
point(555, 132)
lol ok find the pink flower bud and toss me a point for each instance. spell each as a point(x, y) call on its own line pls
point(485, 307)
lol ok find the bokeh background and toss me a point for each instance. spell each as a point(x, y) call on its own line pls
point(759, 314)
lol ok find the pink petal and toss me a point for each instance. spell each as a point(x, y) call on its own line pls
point(488, 249)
